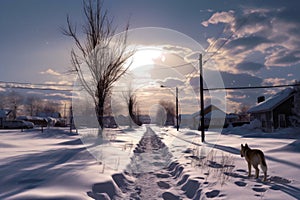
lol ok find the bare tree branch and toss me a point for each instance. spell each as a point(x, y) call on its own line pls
point(101, 56)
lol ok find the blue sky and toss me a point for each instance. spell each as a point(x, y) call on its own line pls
point(263, 49)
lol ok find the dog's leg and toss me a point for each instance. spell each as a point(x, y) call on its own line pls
point(265, 176)
point(249, 169)
point(256, 170)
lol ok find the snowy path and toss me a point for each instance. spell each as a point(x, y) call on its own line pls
point(148, 167)
point(150, 175)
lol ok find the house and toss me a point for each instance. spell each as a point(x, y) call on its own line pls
point(216, 118)
point(38, 121)
point(232, 118)
point(49, 114)
point(213, 117)
point(3, 116)
point(186, 121)
point(275, 112)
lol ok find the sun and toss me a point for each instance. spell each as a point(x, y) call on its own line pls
point(146, 56)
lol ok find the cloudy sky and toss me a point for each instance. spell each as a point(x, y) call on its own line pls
point(250, 43)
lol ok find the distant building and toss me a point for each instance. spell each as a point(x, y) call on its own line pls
point(38, 121)
point(276, 111)
point(49, 114)
point(3, 116)
point(214, 117)
point(232, 118)
point(145, 119)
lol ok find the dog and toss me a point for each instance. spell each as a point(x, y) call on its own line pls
point(254, 157)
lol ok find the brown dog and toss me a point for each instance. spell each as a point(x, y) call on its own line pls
point(254, 157)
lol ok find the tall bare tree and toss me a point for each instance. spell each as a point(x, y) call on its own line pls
point(132, 106)
point(100, 57)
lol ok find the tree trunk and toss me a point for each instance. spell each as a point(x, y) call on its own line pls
point(100, 114)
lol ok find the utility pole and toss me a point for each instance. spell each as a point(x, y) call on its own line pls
point(201, 99)
point(177, 123)
point(65, 111)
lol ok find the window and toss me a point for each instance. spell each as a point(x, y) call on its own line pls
point(263, 120)
point(281, 121)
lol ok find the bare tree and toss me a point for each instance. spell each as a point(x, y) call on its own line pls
point(243, 113)
point(100, 58)
point(160, 118)
point(14, 101)
point(132, 107)
point(32, 104)
point(170, 111)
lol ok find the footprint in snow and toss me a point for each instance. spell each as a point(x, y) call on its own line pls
point(170, 196)
point(183, 179)
point(162, 175)
point(259, 189)
point(212, 194)
point(163, 185)
point(240, 183)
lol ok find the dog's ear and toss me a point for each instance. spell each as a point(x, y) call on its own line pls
point(246, 145)
point(242, 145)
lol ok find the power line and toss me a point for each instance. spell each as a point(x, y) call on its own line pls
point(40, 84)
point(147, 90)
point(174, 66)
point(251, 87)
point(224, 42)
point(35, 88)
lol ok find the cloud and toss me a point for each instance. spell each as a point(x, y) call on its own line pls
point(274, 32)
point(243, 79)
point(177, 49)
point(63, 82)
point(228, 79)
point(283, 58)
point(247, 43)
point(219, 17)
point(51, 72)
point(59, 96)
point(171, 82)
point(250, 66)
point(276, 81)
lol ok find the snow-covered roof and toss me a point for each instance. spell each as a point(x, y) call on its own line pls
point(207, 110)
point(4, 113)
point(232, 116)
point(196, 114)
point(272, 102)
point(215, 114)
point(186, 116)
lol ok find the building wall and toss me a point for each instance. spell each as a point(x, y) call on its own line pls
point(270, 119)
point(266, 120)
point(283, 109)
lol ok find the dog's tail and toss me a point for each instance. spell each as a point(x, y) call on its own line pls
point(263, 164)
point(263, 161)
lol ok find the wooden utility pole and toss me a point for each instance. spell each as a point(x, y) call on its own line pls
point(201, 99)
point(177, 117)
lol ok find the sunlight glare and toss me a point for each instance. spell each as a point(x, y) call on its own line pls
point(146, 57)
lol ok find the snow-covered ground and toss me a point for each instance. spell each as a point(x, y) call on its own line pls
point(147, 163)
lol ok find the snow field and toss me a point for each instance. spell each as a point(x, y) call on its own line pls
point(154, 163)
